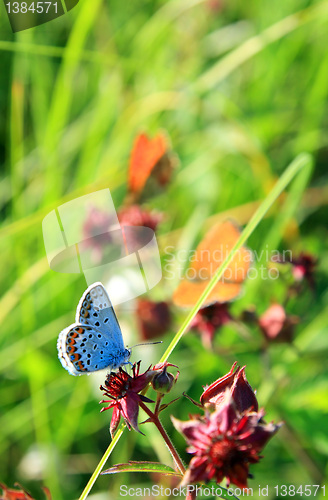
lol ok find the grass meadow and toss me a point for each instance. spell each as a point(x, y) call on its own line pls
point(240, 88)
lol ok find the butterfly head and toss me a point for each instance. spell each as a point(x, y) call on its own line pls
point(127, 354)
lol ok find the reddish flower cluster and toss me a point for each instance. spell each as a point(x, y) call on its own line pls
point(209, 319)
point(276, 325)
point(303, 267)
point(96, 232)
point(154, 318)
point(225, 442)
point(20, 494)
point(134, 215)
point(123, 391)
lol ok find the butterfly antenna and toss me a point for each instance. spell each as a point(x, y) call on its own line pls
point(147, 343)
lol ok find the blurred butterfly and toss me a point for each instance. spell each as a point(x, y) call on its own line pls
point(94, 341)
point(149, 158)
point(209, 255)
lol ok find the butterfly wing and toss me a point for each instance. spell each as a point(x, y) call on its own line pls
point(188, 292)
point(215, 247)
point(82, 349)
point(210, 253)
point(144, 156)
point(95, 341)
point(95, 309)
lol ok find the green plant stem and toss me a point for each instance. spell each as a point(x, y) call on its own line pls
point(155, 419)
point(102, 462)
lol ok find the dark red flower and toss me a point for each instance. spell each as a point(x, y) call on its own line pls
point(303, 266)
point(224, 443)
point(97, 222)
point(237, 385)
point(209, 319)
point(134, 215)
point(154, 318)
point(100, 229)
point(122, 389)
point(21, 494)
point(96, 232)
point(276, 325)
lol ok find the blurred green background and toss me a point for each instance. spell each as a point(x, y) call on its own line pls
point(241, 89)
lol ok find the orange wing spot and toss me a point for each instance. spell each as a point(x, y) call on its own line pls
point(73, 349)
point(74, 335)
point(79, 330)
point(76, 357)
point(81, 366)
point(86, 314)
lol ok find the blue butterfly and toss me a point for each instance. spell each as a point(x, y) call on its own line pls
point(94, 341)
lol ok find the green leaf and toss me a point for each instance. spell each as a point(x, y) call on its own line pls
point(142, 467)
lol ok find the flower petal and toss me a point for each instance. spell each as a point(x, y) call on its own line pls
point(130, 410)
point(242, 393)
point(115, 420)
point(214, 393)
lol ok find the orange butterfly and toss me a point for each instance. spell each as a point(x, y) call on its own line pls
point(209, 255)
point(149, 157)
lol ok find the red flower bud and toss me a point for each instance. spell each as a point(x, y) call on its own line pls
point(163, 381)
point(237, 385)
